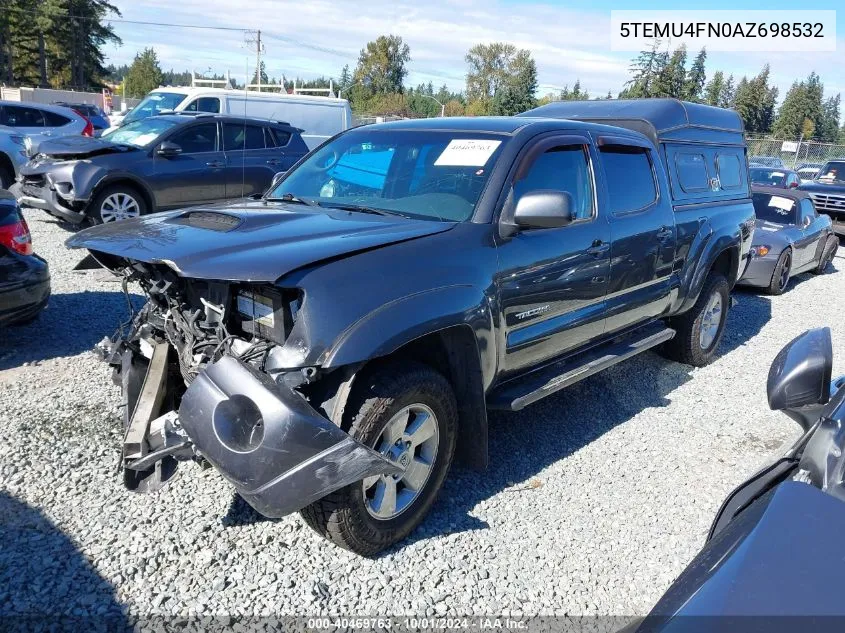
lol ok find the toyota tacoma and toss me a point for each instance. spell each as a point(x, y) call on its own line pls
point(331, 346)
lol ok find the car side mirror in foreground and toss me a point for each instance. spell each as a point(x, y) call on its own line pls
point(168, 149)
point(799, 378)
point(277, 178)
point(543, 209)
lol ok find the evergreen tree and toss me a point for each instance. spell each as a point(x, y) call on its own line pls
point(728, 94)
point(670, 80)
point(694, 81)
point(144, 74)
point(644, 70)
point(517, 93)
point(803, 103)
point(714, 89)
point(382, 65)
point(828, 128)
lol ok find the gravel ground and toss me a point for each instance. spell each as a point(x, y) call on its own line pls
point(595, 500)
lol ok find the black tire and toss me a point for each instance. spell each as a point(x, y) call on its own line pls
point(95, 208)
point(342, 516)
point(7, 177)
point(780, 276)
point(686, 346)
point(827, 255)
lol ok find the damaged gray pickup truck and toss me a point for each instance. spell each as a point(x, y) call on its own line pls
point(331, 346)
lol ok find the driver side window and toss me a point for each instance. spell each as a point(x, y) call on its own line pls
point(562, 168)
point(197, 138)
point(808, 212)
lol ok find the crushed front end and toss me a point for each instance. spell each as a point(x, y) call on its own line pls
point(203, 375)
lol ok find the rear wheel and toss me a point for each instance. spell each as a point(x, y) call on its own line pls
point(828, 253)
point(780, 276)
point(118, 202)
point(407, 412)
point(699, 331)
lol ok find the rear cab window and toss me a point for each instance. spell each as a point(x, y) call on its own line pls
point(629, 175)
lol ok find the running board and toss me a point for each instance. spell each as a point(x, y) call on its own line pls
point(520, 392)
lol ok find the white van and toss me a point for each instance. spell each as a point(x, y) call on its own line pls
point(319, 117)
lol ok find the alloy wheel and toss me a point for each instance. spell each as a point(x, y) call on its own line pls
point(119, 206)
point(711, 321)
point(410, 438)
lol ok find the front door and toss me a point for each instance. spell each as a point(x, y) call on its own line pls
point(250, 164)
point(552, 282)
point(808, 249)
point(642, 229)
point(195, 175)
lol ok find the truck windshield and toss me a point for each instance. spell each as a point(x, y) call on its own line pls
point(154, 103)
point(834, 171)
point(433, 175)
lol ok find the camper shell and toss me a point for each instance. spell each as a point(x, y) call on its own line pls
point(702, 147)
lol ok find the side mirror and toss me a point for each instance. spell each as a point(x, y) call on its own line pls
point(543, 209)
point(168, 149)
point(799, 378)
point(794, 185)
point(807, 221)
point(277, 178)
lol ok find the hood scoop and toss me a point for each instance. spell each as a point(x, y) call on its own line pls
point(211, 220)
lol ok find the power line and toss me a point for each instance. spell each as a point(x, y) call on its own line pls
point(65, 14)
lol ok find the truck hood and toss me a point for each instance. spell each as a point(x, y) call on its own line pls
point(251, 241)
point(78, 147)
point(821, 186)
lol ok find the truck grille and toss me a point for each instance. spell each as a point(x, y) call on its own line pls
point(829, 203)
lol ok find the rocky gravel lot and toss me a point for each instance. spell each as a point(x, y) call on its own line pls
point(594, 502)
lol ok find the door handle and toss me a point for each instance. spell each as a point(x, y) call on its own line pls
point(665, 233)
point(273, 161)
point(214, 163)
point(598, 247)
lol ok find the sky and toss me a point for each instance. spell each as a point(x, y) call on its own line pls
point(569, 40)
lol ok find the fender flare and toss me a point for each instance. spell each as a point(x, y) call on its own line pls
point(462, 315)
point(398, 322)
point(712, 247)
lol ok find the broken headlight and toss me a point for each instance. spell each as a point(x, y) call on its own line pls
point(265, 312)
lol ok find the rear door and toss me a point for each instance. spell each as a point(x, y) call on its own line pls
point(250, 163)
point(24, 119)
point(196, 175)
point(552, 282)
point(642, 232)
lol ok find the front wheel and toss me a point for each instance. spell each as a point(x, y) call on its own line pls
point(780, 276)
point(118, 202)
point(407, 412)
point(699, 331)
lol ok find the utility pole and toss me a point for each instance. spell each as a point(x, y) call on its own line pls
point(258, 50)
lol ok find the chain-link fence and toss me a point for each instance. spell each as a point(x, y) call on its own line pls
point(794, 154)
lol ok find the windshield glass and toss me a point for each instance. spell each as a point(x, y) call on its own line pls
point(154, 103)
point(139, 133)
point(834, 171)
point(777, 209)
point(766, 176)
point(433, 175)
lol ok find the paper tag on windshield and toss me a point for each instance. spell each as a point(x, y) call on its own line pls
point(780, 202)
point(467, 153)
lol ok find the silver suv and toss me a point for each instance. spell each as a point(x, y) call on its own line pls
point(24, 125)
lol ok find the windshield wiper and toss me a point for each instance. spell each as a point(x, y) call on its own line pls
point(289, 197)
point(365, 209)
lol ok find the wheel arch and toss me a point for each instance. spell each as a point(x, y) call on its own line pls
point(130, 181)
point(7, 164)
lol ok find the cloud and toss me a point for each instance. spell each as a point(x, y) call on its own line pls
point(315, 38)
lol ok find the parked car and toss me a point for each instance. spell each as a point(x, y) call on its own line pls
point(791, 238)
point(778, 537)
point(13, 154)
point(158, 163)
point(24, 125)
point(24, 276)
point(90, 111)
point(808, 171)
point(766, 161)
point(774, 177)
point(319, 118)
point(342, 338)
point(828, 192)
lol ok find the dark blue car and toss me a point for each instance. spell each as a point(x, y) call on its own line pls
point(158, 163)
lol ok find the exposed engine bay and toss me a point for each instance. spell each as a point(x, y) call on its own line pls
point(202, 375)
